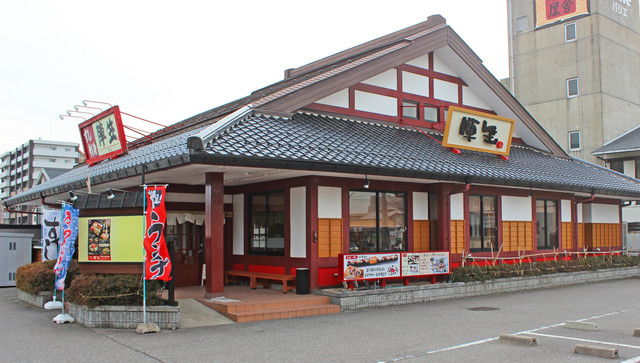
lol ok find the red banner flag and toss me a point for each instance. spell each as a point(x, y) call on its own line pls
point(157, 262)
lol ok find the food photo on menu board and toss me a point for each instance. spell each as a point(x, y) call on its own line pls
point(425, 263)
point(371, 266)
point(99, 239)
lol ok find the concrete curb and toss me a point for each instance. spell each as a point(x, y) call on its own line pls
point(517, 339)
point(414, 294)
point(580, 325)
point(610, 353)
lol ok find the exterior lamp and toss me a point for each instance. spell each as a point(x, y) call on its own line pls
point(366, 184)
point(110, 194)
point(63, 116)
point(84, 102)
point(74, 197)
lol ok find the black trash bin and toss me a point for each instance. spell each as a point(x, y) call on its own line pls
point(302, 281)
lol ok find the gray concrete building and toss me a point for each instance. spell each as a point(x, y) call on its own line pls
point(29, 164)
point(577, 71)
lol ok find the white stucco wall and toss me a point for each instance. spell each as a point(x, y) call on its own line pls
point(457, 206)
point(470, 98)
point(420, 206)
point(238, 224)
point(421, 62)
point(329, 202)
point(415, 84)
point(600, 213)
point(441, 67)
point(565, 207)
point(338, 99)
point(517, 209)
point(298, 208)
point(388, 79)
point(374, 103)
point(445, 91)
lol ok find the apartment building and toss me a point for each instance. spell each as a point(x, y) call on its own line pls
point(29, 164)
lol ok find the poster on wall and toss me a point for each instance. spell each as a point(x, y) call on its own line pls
point(371, 266)
point(553, 11)
point(425, 263)
point(99, 240)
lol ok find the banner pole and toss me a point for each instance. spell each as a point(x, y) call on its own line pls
point(144, 258)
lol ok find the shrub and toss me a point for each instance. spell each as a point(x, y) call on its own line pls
point(93, 290)
point(39, 276)
point(472, 273)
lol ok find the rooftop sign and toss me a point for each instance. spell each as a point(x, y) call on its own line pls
point(552, 11)
point(479, 131)
point(103, 136)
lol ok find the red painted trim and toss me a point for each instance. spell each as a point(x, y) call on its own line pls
point(431, 74)
point(326, 277)
point(214, 239)
point(238, 267)
point(115, 110)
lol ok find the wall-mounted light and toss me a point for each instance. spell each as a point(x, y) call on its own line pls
point(366, 184)
point(110, 194)
point(84, 102)
point(74, 197)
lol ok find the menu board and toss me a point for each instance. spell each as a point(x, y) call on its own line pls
point(425, 263)
point(99, 239)
point(370, 266)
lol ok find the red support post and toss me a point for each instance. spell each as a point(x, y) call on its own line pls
point(214, 241)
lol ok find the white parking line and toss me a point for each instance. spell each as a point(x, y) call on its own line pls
point(585, 340)
point(533, 332)
point(632, 360)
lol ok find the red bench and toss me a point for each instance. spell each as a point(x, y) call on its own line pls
point(254, 276)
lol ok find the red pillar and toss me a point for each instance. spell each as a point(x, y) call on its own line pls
point(213, 231)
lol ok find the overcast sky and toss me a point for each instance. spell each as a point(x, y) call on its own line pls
point(166, 61)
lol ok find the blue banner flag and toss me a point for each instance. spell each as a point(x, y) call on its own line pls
point(69, 229)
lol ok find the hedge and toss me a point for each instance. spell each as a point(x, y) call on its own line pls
point(39, 276)
point(121, 289)
point(472, 273)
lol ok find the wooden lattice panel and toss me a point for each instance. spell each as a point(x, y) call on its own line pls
point(421, 235)
point(457, 236)
point(580, 236)
point(567, 235)
point(329, 237)
point(602, 235)
point(517, 235)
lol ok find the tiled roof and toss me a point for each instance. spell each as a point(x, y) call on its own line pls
point(310, 141)
point(159, 155)
point(629, 141)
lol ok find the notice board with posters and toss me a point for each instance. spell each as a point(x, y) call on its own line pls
point(370, 266)
point(110, 239)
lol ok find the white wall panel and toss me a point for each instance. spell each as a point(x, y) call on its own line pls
point(420, 206)
point(371, 102)
point(228, 199)
point(601, 213)
point(415, 83)
point(422, 62)
point(580, 211)
point(457, 206)
point(329, 202)
point(388, 79)
point(238, 224)
point(517, 209)
point(441, 67)
point(470, 98)
point(298, 199)
point(338, 99)
point(565, 206)
point(185, 197)
point(445, 91)
point(629, 167)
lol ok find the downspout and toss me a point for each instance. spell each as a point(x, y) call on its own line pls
point(587, 200)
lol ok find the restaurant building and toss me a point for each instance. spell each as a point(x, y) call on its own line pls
point(404, 143)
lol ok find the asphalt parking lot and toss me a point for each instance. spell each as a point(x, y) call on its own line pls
point(463, 330)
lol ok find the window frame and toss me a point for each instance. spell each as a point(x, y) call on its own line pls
point(413, 105)
point(575, 32)
point(253, 252)
point(518, 22)
point(485, 246)
point(569, 95)
point(579, 141)
point(547, 245)
point(405, 241)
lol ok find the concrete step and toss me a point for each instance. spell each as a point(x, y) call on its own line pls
point(242, 312)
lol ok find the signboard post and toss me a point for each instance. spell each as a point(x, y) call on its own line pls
point(103, 136)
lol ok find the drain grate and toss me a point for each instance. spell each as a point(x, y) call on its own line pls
point(483, 308)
